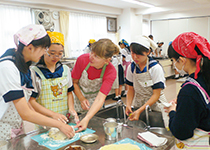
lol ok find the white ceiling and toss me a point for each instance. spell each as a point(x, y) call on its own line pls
point(160, 5)
point(165, 5)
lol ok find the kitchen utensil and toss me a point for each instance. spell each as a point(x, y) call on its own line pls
point(89, 138)
point(110, 129)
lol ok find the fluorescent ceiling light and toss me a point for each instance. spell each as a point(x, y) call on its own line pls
point(139, 3)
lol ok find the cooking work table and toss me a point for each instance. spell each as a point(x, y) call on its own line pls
point(24, 142)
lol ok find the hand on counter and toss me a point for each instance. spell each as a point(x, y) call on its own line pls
point(82, 125)
point(67, 130)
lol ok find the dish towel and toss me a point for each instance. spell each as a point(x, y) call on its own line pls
point(152, 139)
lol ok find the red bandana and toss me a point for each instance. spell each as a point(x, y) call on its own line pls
point(185, 44)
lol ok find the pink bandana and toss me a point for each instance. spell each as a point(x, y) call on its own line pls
point(185, 44)
point(29, 33)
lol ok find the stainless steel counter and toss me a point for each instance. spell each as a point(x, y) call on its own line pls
point(25, 142)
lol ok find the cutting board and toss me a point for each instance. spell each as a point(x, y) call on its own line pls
point(140, 145)
point(44, 140)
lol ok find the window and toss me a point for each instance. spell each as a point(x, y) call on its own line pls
point(82, 28)
point(12, 19)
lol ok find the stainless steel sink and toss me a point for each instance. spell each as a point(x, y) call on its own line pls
point(160, 130)
point(155, 118)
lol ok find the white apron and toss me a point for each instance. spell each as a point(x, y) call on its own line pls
point(200, 139)
point(89, 88)
point(142, 84)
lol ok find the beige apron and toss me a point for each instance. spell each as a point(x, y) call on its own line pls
point(142, 84)
point(200, 139)
point(89, 88)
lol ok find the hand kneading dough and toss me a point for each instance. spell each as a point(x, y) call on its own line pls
point(120, 147)
point(56, 134)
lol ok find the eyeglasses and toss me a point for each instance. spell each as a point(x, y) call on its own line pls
point(52, 54)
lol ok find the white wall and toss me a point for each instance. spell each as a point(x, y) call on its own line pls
point(130, 24)
point(168, 29)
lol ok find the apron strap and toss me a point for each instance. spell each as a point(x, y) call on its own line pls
point(65, 70)
point(87, 67)
point(201, 89)
point(103, 71)
point(39, 72)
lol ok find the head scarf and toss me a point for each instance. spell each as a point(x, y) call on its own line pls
point(91, 41)
point(29, 33)
point(145, 41)
point(123, 41)
point(185, 44)
point(56, 37)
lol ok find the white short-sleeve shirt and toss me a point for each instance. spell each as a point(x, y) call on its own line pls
point(10, 85)
point(155, 70)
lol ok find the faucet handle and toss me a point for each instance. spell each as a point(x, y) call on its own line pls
point(148, 108)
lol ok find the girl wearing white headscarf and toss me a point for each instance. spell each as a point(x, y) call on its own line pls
point(146, 81)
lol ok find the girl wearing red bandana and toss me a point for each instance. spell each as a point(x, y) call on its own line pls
point(190, 115)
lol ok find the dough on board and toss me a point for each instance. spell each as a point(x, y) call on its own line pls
point(120, 147)
point(56, 134)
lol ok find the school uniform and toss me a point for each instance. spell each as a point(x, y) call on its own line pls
point(151, 77)
point(50, 89)
point(190, 123)
point(13, 86)
point(117, 63)
point(92, 80)
point(128, 59)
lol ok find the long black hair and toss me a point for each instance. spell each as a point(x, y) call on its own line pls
point(19, 58)
point(138, 48)
point(205, 64)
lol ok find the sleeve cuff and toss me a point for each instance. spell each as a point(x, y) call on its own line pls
point(13, 95)
point(34, 94)
point(159, 85)
point(71, 89)
point(128, 82)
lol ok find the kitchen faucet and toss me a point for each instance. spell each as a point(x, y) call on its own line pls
point(118, 104)
point(147, 109)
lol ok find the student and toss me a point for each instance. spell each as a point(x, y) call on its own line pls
point(126, 53)
point(159, 49)
point(119, 81)
point(32, 42)
point(52, 83)
point(88, 48)
point(93, 76)
point(146, 81)
point(190, 117)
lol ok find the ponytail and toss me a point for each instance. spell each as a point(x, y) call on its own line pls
point(20, 61)
point(205, 69)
